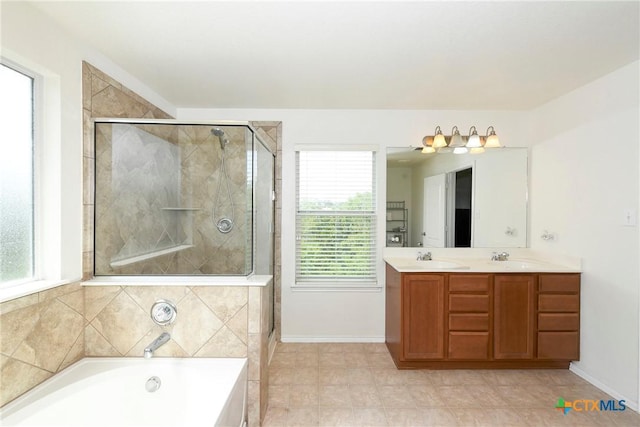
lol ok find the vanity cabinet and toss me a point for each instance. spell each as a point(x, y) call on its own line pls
point(514, 316)
point(482, 320)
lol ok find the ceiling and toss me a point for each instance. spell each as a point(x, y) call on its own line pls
point(358, 55)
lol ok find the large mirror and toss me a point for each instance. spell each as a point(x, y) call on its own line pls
point(457, 200)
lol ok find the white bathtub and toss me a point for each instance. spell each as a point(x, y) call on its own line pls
point(112, 392)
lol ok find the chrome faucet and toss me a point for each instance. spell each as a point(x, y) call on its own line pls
point(502, 256)
point(156, 344)
point(424, 257)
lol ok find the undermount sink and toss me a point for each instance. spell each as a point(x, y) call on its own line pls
point(429, 264)
point(518, 264)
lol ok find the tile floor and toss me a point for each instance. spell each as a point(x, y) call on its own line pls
point(358, 385)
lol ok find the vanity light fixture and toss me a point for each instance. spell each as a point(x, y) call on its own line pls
point(459, 144)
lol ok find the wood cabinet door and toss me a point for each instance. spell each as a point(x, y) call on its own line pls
point(514, 316)
point(423, 316)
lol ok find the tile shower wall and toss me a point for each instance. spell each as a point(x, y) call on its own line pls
point(158, 188)
point(203, 182)
point(137, 177)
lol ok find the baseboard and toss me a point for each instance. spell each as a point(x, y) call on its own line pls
point(299, 339)
point(582, 374)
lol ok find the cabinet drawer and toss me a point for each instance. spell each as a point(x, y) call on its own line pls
point(469, 283)
point(558, 322)
point(477, 303)
point(564, 283)
point(468, 345)
point(469, 322)
point(558, 345)
point(559, 303)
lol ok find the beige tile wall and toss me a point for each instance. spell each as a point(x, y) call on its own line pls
point(42, 333)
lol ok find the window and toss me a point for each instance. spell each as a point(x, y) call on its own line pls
point(16, 176)
point(336, 218)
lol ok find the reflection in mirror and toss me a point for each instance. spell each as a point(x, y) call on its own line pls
point(457, 200)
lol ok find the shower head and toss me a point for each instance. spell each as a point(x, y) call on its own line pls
point(221, 136)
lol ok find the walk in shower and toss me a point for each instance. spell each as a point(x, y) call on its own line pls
point(182, 199)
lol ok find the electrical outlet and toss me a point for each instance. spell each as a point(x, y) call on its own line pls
point(629, 217)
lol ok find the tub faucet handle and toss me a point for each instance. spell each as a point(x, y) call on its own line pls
point(163, 312)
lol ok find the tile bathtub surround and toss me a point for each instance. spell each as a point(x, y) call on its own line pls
point(43, 333)
point(358, 385)
point(40, 335)
point(211, 321)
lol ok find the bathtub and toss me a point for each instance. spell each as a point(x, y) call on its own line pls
point(137, 392)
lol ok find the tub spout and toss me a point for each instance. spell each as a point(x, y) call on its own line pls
point(156, 344)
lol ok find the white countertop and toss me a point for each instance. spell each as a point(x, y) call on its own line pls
point(472, 260)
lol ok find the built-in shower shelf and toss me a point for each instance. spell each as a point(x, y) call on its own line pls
point(182, 209)
point(150, 255)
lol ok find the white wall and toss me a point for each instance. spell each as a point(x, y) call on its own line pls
point(34, 41)
point(349, 315)
point(31, 40)
point(584, 175)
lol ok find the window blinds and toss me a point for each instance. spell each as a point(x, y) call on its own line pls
point(336, 217)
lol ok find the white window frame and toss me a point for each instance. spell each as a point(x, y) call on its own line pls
point(47, 193)
point(341, 283)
